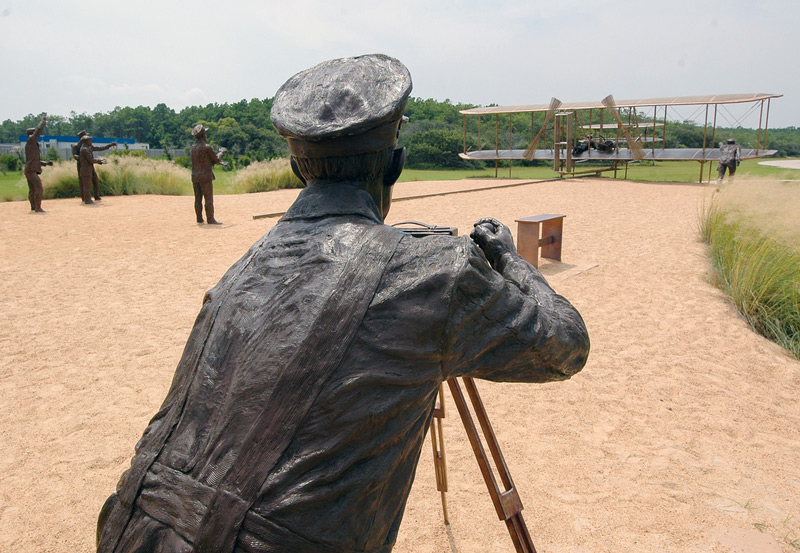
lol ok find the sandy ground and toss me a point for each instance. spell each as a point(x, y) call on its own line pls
point(682, 434)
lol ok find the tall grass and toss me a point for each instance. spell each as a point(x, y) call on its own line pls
point(264, 176)
point(751, 230)
point(122, 175)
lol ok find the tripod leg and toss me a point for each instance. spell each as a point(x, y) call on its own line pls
point(437, 440)
point(506, 502)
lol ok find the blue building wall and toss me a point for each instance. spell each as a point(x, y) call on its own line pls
point(73, 139)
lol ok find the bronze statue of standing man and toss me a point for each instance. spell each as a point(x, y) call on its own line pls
point(94, 181)
point(33, 166)
point(87, 176)
point(730, 156)
point(76, 152)
point(203, 161)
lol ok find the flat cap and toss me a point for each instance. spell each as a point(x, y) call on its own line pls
point(81, 134)
point(345, 106)
point(198, 129)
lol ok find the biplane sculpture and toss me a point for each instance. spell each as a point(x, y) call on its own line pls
point(609, 133)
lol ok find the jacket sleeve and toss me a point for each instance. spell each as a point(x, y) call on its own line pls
point(39, 130)
point(511, 326)
point(212, 156)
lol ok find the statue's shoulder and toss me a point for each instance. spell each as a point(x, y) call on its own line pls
point(439, 253)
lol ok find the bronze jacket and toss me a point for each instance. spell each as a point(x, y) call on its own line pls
point(33, 162)
point(203, 160)
point(341, 485)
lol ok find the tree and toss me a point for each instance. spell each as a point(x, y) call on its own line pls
point(9, 162)
point(435, 148)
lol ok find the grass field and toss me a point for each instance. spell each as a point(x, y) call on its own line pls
point(662, 171)
point(13, 186)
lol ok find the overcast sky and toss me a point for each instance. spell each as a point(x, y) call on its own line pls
point(59, 56)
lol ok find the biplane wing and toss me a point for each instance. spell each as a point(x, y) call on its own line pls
point(624, 154)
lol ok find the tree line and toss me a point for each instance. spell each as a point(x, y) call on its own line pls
point(434, 134)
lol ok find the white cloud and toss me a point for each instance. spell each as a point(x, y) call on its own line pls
point(93, 57)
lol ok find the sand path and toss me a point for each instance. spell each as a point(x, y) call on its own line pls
point(783, 163)
point(682, 434)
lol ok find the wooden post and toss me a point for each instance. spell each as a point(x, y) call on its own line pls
point(760, 118)
point(465, 133)
point(437, 439)
point(496, 135)
point(510, 141)
point(705, 135)
point(766, 126)
point(713, 140)
point(653, 147)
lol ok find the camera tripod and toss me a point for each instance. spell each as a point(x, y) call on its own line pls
point(506, 501)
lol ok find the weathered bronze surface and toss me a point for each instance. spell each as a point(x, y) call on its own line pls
point(33, 166)
point(88, 181)
point(298, 411)
point(730, 155)
point(203, 160)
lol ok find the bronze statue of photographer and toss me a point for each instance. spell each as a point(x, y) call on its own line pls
point(298, 411)
point(203, 160)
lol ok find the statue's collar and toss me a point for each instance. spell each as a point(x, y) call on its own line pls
point(333, 199)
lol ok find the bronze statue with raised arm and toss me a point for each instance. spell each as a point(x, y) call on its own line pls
point(33, 166)
point(297, 413)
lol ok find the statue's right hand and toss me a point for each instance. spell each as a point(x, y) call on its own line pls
point(494, 238)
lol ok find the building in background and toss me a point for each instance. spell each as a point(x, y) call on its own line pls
point(63, 145)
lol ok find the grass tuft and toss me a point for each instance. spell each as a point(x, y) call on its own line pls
point(264, 176)
point(756, 259)
point(122, 175)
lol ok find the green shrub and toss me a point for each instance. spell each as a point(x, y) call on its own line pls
point(9, 162)
point(758, 269)
point(52, 155)
point(264, 176)
point(126, 152)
